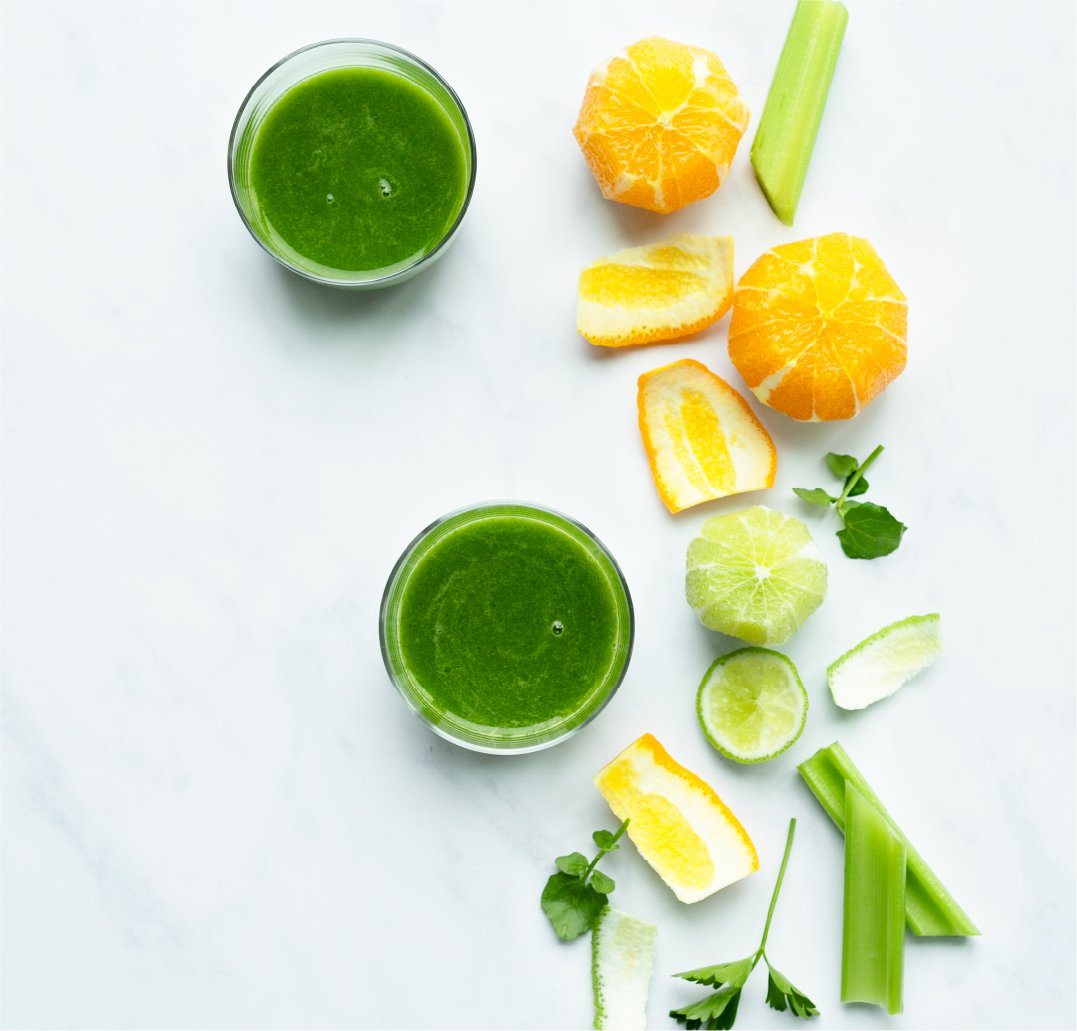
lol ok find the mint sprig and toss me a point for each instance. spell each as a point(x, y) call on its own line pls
point(575, 896)
point(718, 1011)
point(870, 531)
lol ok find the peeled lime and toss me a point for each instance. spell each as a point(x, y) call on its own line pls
point(755, 574)
point(752, 705)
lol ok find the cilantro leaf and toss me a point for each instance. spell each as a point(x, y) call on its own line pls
point(782, 993)
point(719, 1010)
point(841, 465)
point(602, 883)
point(735, 973)
point(571, 905)
point(575, 864)
point(870, 531)
point(813, 495)
point(716, 1012)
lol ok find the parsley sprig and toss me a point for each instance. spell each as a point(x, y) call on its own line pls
point(870, 530)
point(575, 896)
point(719, 1009)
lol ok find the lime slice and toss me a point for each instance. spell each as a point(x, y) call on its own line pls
point(752, 705)
point(881, 663)
point(755, 574)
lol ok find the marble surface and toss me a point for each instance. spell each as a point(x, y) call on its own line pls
point(216, 811)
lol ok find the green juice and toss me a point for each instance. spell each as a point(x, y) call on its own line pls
point(506, 626)
point(357, 170)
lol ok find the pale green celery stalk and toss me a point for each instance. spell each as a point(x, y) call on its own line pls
point(929, 908)
point(873, 931)
point(786, 135)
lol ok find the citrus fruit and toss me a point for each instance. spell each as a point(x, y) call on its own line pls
point(677, 822)
point(818, 327)
point(755, 574)
point(752, 705)
point(881, 663)
point(622, 960)
point(659, 124)
point(701, 438)
point(664, 291)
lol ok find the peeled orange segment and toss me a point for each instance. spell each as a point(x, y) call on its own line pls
point(659, 124)
point(677, 822)
point(664, 291)
point(701, 438)
point(819, 327)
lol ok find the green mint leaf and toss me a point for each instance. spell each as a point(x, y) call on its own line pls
point(813, 495)
point(571, 906)
point(716, 1012)
point(604, 840)
point(735, 974)
point(860, 487)
point(781, 993)
point(842, 465)
point(574, 864)
point(870, 531)
point(600, 882)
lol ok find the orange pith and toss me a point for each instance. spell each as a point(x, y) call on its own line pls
point(660, 123)
point(656, 293)
point(702, 440)
point(819, 327)
point(677, 821)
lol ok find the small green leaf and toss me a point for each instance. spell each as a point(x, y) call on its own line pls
point(600, 882)
point(571, 906)
point(860, 487)
point(813, 495)
point(841, 465)
point(604, 840)
point(870, 531)
point(716, 1012)
point(735, 974)
point(574, 864)
point(781, 993)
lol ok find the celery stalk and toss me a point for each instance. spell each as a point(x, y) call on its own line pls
point(786, 135)
point(929, 908)
point(873, 934)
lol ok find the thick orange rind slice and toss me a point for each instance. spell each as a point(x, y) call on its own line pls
point(664, 291)
point(701, 438)
point(819, 327)
point(659, 124)
point(677, 822)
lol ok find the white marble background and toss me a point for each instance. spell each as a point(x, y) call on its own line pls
point(216, 811)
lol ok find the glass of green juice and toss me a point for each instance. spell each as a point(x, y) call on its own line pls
point(506, 627)
point(352, 163)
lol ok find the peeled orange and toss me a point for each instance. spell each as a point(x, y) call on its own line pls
point(701, 438)
point(819, 327)
point(664, 291)
point(660, 123)
point(677, 822)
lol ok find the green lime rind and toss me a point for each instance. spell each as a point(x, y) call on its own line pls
point(752, 705)
point(880, 664)
point(622, 961)
point(755, 574)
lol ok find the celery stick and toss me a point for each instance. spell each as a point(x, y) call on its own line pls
point(873, 934)
point(929, 908)
point(786, 134)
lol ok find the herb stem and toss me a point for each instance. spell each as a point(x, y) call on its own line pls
point(777, 886)
point(857, 476)
point(603, 851)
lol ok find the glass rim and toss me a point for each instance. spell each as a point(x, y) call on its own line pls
point(559, 735)
point(396, 274)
